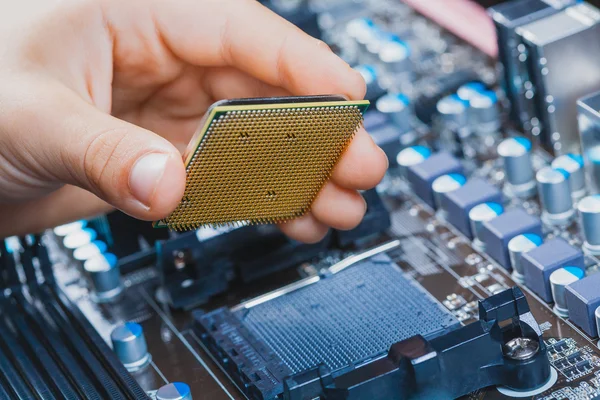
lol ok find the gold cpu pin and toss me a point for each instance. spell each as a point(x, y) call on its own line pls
point(263, 160)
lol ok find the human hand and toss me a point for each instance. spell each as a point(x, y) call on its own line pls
point(98, 97)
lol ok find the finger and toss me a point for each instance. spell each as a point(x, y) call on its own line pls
point(268, 47)
point(305, 229)
point(129, 167)
point(231, 83)
point(338, 207)
point(68, 203)
point(362, 166)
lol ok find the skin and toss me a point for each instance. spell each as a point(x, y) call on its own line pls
point(99, 97)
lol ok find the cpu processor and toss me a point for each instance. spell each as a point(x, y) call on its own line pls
point(265, 160)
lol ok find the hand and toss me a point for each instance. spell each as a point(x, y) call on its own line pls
point(98, 97)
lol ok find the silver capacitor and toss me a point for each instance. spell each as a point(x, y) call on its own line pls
point(446, 184)
point(589, 215)
point(573, 164)
point(452, 111)
point(105, 277)
point(555, 196)
point(478, 215)
point(397, 107)
point(559, 280)
point(129, 344)
point(518, 246)
point(413, 155)
point(484, 112)
point(394, 54)
point(520, 177)
point(174, 391)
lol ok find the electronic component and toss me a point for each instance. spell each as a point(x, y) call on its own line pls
point(129, 344)
point(583, 298)
point(370, 74)
point(540, 262)
point(410, 156)
point(105, 276)
point(397, 107)
point(308, 320)
point(518, 246)
point(422, 175)
point(446, 184)
point(496, 233)
point(89, 250)
point(589, 128)
point(457, 204)
point(512, 54)
point(395, 56)
point(233, 157)
point(555, 196)
point(559, 280)
point(79, 237)
point(480, 214)
point(174, 391)
point(452, 112)
point(484, 113)
point(553, 43)
point(573, 164)
point(589, 211)
point(516, 155)
point(64, 230)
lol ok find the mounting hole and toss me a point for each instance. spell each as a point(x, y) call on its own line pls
point(529, 393)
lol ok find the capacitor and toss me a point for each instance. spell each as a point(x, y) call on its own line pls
point(470, 90)
point(362, 30)
point(559, 280)
point(410, 156)
point(518, 246)
point(516, 155)
point(555, 196)
point(445, 184)
point(478, 215)
point(370, 74)
point(64, 230)
point(89, 250)
point(394, 54)
point(129, 344)
point(484, 112)
point(451, 110)
point(105, 276)
point(79, 238)
point(174, 391)
point(589, 214)
point(573, 164)
point(397, 107)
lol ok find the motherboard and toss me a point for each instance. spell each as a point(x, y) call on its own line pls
point(475, 273)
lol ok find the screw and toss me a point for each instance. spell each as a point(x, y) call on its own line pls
point(521, 348)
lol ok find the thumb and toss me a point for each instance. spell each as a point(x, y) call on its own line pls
point(73, 142)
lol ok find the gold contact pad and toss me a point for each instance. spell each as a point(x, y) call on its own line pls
point(263, 165)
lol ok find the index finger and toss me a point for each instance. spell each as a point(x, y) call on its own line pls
point(248, 36)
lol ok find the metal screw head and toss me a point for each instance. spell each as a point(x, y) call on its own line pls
point(521, 348)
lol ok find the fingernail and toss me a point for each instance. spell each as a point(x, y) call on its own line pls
point(146, 175)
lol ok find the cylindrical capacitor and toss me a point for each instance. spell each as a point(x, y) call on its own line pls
point(518, 246)
point(559, 280)
point(89, 250)
point(105, 276)
point(589, 214)
point(516, 155)
point(174, 391)
point(397, 107)
point(79, 238)
point(555, 196)
point(129, 344)
point(64, 230)
point(362, 30)
point(394, 54)
point(573, 164)
point(484, 112)
point(446, 184)
point(451, 112)
point(410, 156)
point(478, 215)
point(469, 90)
